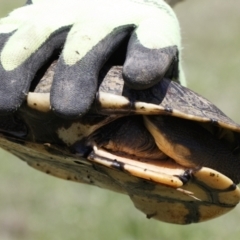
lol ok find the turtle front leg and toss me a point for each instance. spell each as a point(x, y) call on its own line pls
point(192, 145)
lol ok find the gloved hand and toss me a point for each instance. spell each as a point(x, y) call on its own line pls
point(88, 32)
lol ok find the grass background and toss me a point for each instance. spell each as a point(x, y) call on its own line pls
point(37, 206)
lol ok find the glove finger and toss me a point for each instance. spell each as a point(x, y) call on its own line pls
point(152, 52)
point(19, 62)
point(76, 77)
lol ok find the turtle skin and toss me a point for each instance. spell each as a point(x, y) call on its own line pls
point(172, 151)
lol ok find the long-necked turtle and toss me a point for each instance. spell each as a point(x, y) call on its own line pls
point(172, 151)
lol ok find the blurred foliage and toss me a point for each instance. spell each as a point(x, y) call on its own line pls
point(37, 206)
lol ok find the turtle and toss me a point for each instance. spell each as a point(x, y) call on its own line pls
point(171, 150)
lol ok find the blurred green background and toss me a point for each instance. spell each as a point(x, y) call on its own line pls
point(37, 206)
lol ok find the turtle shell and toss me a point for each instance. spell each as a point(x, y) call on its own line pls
point(172, 151)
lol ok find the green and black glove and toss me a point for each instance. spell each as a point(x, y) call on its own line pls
point(88, 32)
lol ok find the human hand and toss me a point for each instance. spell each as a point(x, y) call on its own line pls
point(86, 33)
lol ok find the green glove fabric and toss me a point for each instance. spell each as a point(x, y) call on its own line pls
point(88, 32)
